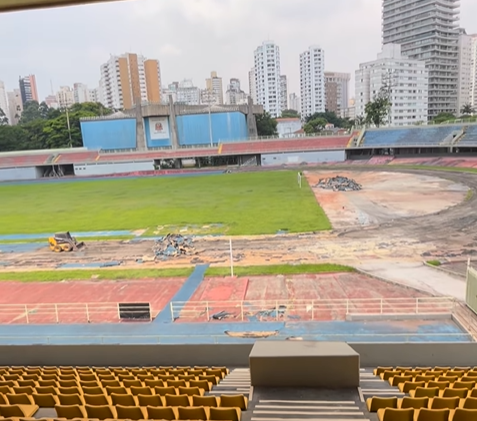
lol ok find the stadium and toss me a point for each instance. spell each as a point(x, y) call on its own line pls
point(225, 276)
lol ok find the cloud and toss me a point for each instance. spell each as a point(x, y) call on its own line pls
point(190, 37)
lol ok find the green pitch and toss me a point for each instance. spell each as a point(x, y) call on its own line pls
point(244, 203)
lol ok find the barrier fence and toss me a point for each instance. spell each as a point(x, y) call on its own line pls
point(63, 313)
point(308, 310)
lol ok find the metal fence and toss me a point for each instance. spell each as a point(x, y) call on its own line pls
point(64, 313)
point(308, 310)
point(471, 291)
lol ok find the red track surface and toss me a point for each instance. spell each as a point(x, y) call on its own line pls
point(41, 297)
point(219, 295)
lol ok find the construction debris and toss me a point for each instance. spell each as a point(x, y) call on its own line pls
point(172, 245)
point(338, 183)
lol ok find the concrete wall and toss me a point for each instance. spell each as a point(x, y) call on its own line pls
point(157, 137)
point(371, 354)
point(287, 127)
point(109, 134)
point(226, 127)
point(105, 168)
point(11, 174)
point(299, 157)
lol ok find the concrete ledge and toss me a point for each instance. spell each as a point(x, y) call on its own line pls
point(394, 317)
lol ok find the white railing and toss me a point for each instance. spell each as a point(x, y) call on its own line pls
point(62, 313)
point(309, 310)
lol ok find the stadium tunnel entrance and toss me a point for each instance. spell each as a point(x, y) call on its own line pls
point(209, 161)
point(55, 171)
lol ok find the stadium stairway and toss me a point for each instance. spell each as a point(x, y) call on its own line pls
point(235, 383)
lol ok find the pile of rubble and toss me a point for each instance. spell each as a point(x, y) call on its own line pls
point(172, 245)
point(338, 183)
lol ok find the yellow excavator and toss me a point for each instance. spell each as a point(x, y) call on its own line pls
point(64, 241)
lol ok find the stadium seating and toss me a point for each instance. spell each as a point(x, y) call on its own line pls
point(409, 136)
point(12, 161)
point(131, 393)
point(435, 394)
point(76, 157)
point(470, 137)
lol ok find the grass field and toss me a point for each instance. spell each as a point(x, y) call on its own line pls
point(246, 203)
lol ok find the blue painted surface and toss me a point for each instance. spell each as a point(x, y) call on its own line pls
point(20, 248)
point(109, 134)
point(23, 237)
point(155, 143)
point(195, 333)
point(184, 294)
point(226, 127)
point(470, 136)
point(427, 135)
point(88, 265)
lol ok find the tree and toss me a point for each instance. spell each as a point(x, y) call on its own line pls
point(31, 111)
point(467, 110)
point(266, 125)
point(3, 118)
point(290, 114)
point(315, 126)
point(360, 120)
point(377, 110)
point(443, 117)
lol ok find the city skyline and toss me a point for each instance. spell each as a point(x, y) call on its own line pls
point(78, 59)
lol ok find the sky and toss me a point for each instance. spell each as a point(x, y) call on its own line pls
point(190, 38)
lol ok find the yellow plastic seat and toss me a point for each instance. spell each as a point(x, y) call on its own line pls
point(225, 414)
point(130, 413)
point(165, 377)
point(118, 390)
point(26, 383)
point(149, 400)
point(111, 383)
point(46, 390)
point(426, 379)
point(69, 400)
point(393, 414)
point(23, 411)
point(47, 383)
point(70, 411)
point(240, 401)
point(195, 372)
point(123, 399)
point(373, 404)
point(432, 415)
point(87, 377)
point(141, 390)
point(143, 377)
point(414, 403)
point(210, 401)
point(406, 387)
point(102, 412)
point(177, 400)
point(439, 385)
point(45, 401)
point(22, 399)
point(422, 392)
point(163, 391)
point(85, 383)
point(210, 379)
point(444, 403)
point(132, 383)
point(177, 383)
point(396, 380)
point(463, 385)
point(96, 400)
point(186, 377)
point(8, 383)
point(20, 390)
point(201, 384)
point(452, 393)
point(3, 400)
point(69, 390)
point(213, 372)
point(161, 413)
point(224, 370)
point(190, 391)
point(106, 377)
point(470, 403)
point(462, 414)
point(192, 413)
point(152, 383)
point(5, 389)
point(93, 390)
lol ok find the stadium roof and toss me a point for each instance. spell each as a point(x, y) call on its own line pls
point(11, 5)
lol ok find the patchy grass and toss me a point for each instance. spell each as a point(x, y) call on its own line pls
point(278, 270)
point(469, 195)
point(88, 274)
point(436, 263)
point(242, 203)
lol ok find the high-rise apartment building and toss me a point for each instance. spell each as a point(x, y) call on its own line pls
point(28, 89)
point(3, 101)
point(234, 94)
point(336, 92)
point(93, 95)
point(251, 85)
point(214, 86)
point(80, 93)
point(268, 78)
point(65, 97)
point(283, 92)
point(473, 73)
point(312, 81)
point(467, 83)
point(15, 106)
point(428, 30)
point(404, 80)
point(129, 78)
point(294, 103)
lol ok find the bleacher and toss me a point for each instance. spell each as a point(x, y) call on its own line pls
point(432, 136)
point(27, 160)
point(426, 394)
point(76, 157)
point(132, 393)
point(470, 137)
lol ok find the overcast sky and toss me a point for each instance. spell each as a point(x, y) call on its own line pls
point(190, 37)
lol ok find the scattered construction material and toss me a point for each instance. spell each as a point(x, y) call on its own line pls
point(173, 245)
point(338, 183)
point(64, 241)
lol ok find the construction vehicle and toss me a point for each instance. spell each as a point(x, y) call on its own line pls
point(64, 241)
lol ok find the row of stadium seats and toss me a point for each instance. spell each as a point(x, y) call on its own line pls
point(424, 414)
point(470, 136)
